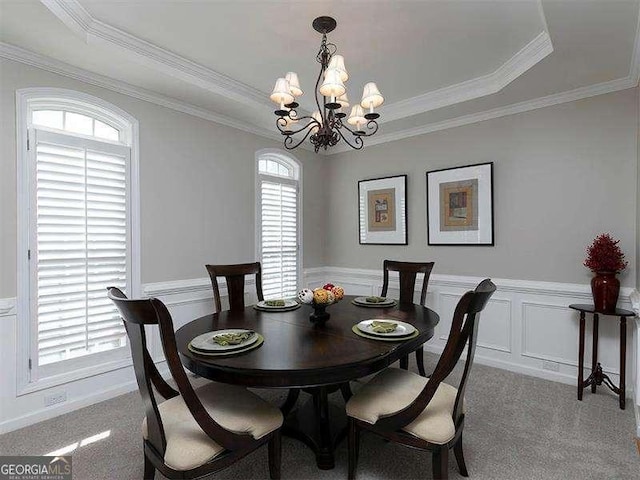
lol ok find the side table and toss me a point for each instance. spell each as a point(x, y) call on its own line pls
point(597, 376)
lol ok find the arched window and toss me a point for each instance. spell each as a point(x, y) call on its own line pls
point(278, 222)
point(78, 229)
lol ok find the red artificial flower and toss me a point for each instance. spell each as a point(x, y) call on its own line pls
point(604, 255)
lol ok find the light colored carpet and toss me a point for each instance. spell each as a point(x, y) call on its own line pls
point(517, 427)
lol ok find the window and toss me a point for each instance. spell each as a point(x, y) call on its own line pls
point(78, 222)
point(278, 222)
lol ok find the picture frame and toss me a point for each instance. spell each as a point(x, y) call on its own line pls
point(460, 206)
point(382, 211)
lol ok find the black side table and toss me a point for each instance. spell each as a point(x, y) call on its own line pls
point(597, 376)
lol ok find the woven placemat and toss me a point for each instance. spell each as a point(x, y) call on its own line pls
point(227, 353)
point(277, 309)
point(357, 331)
point(374, 305)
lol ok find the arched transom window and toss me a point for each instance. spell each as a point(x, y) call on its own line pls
point(79, 225)
point(278, 223)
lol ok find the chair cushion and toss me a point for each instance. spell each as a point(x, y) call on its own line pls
point(233, 408)
point(392, 390)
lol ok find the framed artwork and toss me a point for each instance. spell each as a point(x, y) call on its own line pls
point(460, 205)
point(382, 206)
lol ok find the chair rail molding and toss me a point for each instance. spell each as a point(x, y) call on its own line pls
point(7, 306)
point(526, 328)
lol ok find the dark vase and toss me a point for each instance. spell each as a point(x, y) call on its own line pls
point(320, 314)
point(605, 288)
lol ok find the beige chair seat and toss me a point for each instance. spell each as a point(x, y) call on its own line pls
point(392, 390)
point(233, 408)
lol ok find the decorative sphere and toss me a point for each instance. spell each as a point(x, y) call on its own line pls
point(338, 292)
point(331, 298)
point(305, 296)
point(328, 286)
point(321, 296)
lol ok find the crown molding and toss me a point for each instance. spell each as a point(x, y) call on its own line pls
point(634, 70)
point(534, 104)
point(11, 52)
point(91, 30)
point(523, 60)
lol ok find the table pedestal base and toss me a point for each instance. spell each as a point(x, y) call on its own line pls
point(318, 424)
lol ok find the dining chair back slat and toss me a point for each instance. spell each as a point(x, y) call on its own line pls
point(234, 277)
point(407, 272)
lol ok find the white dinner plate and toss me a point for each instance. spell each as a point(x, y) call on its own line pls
point(288, 305)
point(388, 302)
point(205, 341)
point(402, 330)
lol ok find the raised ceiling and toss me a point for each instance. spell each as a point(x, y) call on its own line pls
point(437, 63)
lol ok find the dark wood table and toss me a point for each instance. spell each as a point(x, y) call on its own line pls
point(597, 376)
point(296, 354)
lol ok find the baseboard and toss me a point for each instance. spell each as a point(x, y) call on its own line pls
point(513, 367)
point(48, 413)
point(636, 409)
point(521, 308)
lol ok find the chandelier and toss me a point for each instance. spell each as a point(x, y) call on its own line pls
point(325, 127)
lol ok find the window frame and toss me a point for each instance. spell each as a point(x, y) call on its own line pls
point(28, 100)
point(296, 166)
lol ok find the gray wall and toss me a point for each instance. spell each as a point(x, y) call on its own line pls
point(562, 175)
point(196, 180)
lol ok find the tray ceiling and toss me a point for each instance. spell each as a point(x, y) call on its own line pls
point(433, 61)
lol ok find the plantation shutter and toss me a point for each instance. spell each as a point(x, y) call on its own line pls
point(81, 244)
point(279, 238)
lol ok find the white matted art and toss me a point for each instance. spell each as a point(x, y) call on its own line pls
point(460, 205)
point(382, 207)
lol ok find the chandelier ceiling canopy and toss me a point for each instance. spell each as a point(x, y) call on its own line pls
point(325, 126)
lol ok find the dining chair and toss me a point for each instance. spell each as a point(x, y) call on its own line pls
point(234, 276)
point(193, 432)
point(407, 272)
point(422, 413)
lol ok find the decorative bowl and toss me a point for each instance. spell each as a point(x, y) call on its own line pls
point(319, 299)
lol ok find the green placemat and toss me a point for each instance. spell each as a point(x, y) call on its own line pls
point(277, 309)
point(374, 305)
point(227, 353)
point(357, 331)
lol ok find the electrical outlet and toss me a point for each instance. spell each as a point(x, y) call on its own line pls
point(551, 366)
point(55, 398)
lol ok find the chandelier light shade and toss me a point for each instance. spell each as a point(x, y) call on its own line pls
point(371, 98)
point(282, 93)
point(343, 100)
point(357, 117)
point(294, 84)
point(337, 63)
point(325, 127)
point(332, 85)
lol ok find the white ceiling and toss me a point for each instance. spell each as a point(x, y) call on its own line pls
point(436, 62)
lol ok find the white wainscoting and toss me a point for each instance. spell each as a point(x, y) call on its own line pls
point(526, 328)
point(186, 300)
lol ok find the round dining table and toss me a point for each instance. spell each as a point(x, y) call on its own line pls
point(302, 356)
